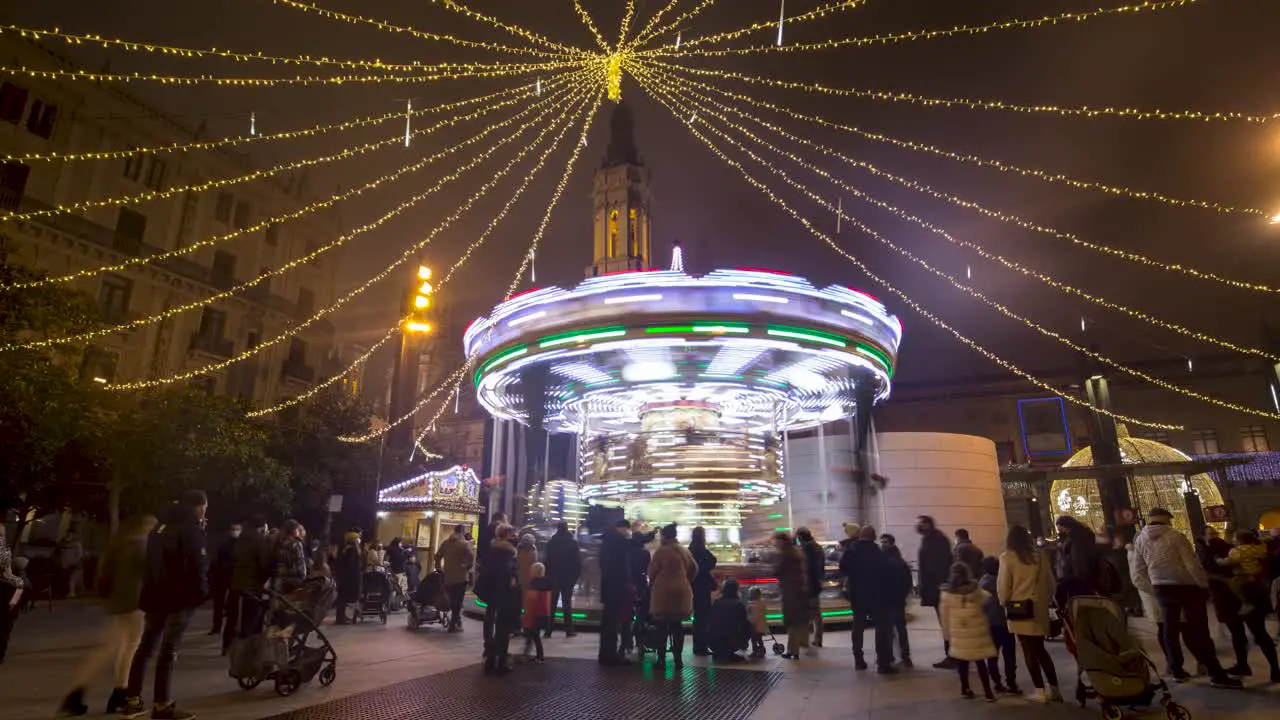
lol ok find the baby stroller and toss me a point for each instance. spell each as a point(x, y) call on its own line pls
point(375, 596)
point(1112, 665)
point(429, 606)
point(282, 653)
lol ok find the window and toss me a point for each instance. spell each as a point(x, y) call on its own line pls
point(633, 233)
point(222, 209)
point(273, 234)
point(224, 268)
point(1204, 442)
point(297, 352)
point(40, 121)
point(213, 324)
point(155, 173)
point(1160, 436)
point(131, 226)
point(99, 365)
point(1006, 453)
point(13, 102)
point(1253, 438)
point(133, 167)
point(113, 297)
point(243, 215)
point(306, 301)
point(190, 204)
point(13, 183)
point(613, 233)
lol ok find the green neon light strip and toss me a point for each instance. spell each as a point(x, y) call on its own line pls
point(827, 614)
point(738, 328)
point(504, 356)
point(670, 329)
point(810, 335)
point(573, 337)
point(774, 516)
point(877, 355)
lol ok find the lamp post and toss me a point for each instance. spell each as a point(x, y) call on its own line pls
point(414, 327)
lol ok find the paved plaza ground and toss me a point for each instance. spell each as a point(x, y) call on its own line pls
point(393, 673)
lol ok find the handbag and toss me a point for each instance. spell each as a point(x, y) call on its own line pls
point(1020, 610)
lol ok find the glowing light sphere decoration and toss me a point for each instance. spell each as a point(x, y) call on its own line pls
point(679, 386)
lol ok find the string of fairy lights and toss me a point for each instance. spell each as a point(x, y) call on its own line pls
point(556, 82)
point(1042, 277)
point(1002, 309)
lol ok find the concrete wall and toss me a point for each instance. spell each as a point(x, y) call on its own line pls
point(952, 477)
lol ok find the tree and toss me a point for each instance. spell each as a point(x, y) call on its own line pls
point(306, 441)
point(45, 413)
point(159, 444)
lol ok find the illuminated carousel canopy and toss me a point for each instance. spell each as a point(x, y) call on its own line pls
point(1158, 476)
point(769, 350)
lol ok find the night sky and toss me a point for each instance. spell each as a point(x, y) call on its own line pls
point(1213, 55)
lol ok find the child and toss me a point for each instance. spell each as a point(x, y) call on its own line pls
point(898, 592)
point(1246, 559)
point(537, 609)
point(759, 626)
point(1000, 634)
point(966, 627)
point(729, 629)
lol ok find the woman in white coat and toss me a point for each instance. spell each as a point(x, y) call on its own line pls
point(1026, 586)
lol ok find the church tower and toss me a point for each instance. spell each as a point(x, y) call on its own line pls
point(621, 207)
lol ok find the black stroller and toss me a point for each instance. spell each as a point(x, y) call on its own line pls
point(375, 596)
point(429, 606)
point(281, 652)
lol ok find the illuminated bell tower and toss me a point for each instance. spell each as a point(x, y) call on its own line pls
point(621, 207)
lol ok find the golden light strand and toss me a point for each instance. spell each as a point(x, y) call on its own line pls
point(1022, 222)
point(406, 256)
point(222, 182)
point(305, 210)
point(628, 14)
point(999, 307)
point(661, 30)
point(400, 29)
point(37, 34)
point(893, 38)
point(1012, 265)
point(245, 139)
point(310, 256)
point(1011, 367)
point(653, 20)
point(972, 104)
point(317, 388)
point(496, 71)
point(981, 161)
point(461, 373)
point(817, 13)
point(514, 29)
point(585, 17)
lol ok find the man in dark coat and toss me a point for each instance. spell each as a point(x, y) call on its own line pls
point(867, 583)
point(174, 584)
point(615, 589)
point(815, 572)
point(498, 588)
point(638, 564)
point(348, 573)
point(934, 566)
point(564, 567)
point(250, 570)
point(967, 552)
point(704, 583)
point(220, 569)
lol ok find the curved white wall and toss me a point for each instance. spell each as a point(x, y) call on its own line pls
point(954, 478)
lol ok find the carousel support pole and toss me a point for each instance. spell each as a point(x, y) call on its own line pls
point(1195, 511)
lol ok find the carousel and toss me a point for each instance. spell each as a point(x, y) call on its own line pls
point(679, 389)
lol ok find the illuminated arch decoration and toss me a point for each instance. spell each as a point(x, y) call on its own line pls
point(456, 489)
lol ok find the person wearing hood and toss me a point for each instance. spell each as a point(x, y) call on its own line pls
point(868, 581)
point(526, 556)
point(672, 572)
point(615, 589)
point(175, 582)
point(1166, 566)
point(966, 626)
point(120, 588)
point(564, 567)
point(498, 586)
point(934, 563)
point(703, 585)
point(454, 558)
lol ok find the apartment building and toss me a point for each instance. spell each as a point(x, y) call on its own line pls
point(46, 116)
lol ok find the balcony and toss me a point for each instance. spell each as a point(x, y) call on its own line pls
point(218, 347)
point(299, 372)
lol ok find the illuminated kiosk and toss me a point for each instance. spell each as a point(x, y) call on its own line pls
point(679, 387)
point(423, 510)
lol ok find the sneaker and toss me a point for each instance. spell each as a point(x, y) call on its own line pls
point(539, 660)
point(115, 703)
point(1239, 670)
point(73, 704)
point(997, 687)
point(860, 664)
point(1012, 690)
point(967, 694)
point(133, 708)
point(1180, 676)
point(945, 664)
point(1226, 682)
point(991, 698)
point(171, 713)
